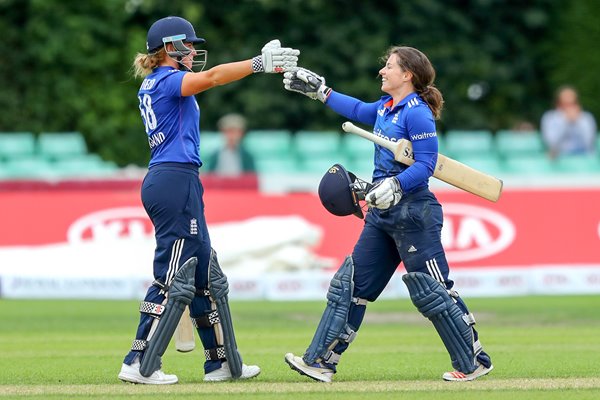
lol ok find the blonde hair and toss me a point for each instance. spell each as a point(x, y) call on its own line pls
point(143, 64)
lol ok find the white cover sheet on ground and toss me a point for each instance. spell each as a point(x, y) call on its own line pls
point(112, 268)
point(264, 258)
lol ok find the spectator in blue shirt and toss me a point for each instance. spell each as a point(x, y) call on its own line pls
point(568, 129)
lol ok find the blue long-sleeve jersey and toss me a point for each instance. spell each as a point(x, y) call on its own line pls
point(410, 119)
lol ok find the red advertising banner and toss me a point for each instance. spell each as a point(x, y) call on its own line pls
point(524, 228)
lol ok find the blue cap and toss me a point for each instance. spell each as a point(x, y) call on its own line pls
point(169, 29)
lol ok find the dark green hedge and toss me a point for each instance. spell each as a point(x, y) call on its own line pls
point(66, 63)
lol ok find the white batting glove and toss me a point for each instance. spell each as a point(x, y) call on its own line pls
point(384, 194)
point(308, 83)
point(275, 59)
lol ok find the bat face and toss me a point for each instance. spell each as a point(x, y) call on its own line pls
point(403, 152)
point(407, 152)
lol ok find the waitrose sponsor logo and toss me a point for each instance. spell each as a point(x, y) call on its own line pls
point(424, 135)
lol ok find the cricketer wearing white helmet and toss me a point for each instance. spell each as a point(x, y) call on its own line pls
point(186, 270)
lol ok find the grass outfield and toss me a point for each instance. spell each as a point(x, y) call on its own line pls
point(542, 348)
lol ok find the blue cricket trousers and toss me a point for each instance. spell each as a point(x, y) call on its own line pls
point(172, 197)
point(409, 232)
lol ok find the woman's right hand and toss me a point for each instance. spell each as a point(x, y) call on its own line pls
point(275, 59)
point(308, 83)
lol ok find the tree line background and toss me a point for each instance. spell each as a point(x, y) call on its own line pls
point(66, 64)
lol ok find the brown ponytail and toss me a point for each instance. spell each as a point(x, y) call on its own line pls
point(434, 99)
point(415, 61)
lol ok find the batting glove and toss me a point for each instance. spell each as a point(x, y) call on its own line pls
point(384, 194)
point(308, 83)
point(275, 59)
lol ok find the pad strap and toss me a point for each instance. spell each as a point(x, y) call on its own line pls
point(206, 321)
point(348, 334)
point(332, 357)
point(139, 345)
point(216, 353)
point(360, 302)
point(153, 309)
point(469, 319)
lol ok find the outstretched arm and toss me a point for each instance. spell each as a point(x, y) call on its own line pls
point(196, 82)
point(273, 59)
point(352, 108)
point(308, 83)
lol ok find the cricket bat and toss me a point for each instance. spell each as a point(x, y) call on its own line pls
point(448, 170)
point(185, 340)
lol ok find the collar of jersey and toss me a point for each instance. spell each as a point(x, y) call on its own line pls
point(164, 67)
point(388, 100)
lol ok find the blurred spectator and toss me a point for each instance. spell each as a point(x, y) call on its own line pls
point(568, 129)
point(232, 159)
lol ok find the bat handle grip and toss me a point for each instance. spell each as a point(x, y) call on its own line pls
point(347, 126)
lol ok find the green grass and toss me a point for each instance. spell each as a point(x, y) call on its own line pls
point(542, 348)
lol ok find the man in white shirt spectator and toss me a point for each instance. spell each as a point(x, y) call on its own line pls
point(568, 129)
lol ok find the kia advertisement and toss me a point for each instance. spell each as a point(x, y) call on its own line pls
point(472, 233)
point(530, 241)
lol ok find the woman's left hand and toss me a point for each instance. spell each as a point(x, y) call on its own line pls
point(384, 194)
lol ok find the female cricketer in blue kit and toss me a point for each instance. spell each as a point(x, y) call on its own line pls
point(403, 223)
point(172, 196)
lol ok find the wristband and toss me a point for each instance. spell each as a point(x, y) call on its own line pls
point(257, 65)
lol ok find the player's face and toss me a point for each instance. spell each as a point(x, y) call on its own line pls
point(393, 77)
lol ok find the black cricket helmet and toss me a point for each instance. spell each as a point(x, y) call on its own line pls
point(340, 191)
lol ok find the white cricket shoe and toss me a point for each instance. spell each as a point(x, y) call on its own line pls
point(224, 373)
point(320, 373)
point(459, 376)
point(131, 373)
